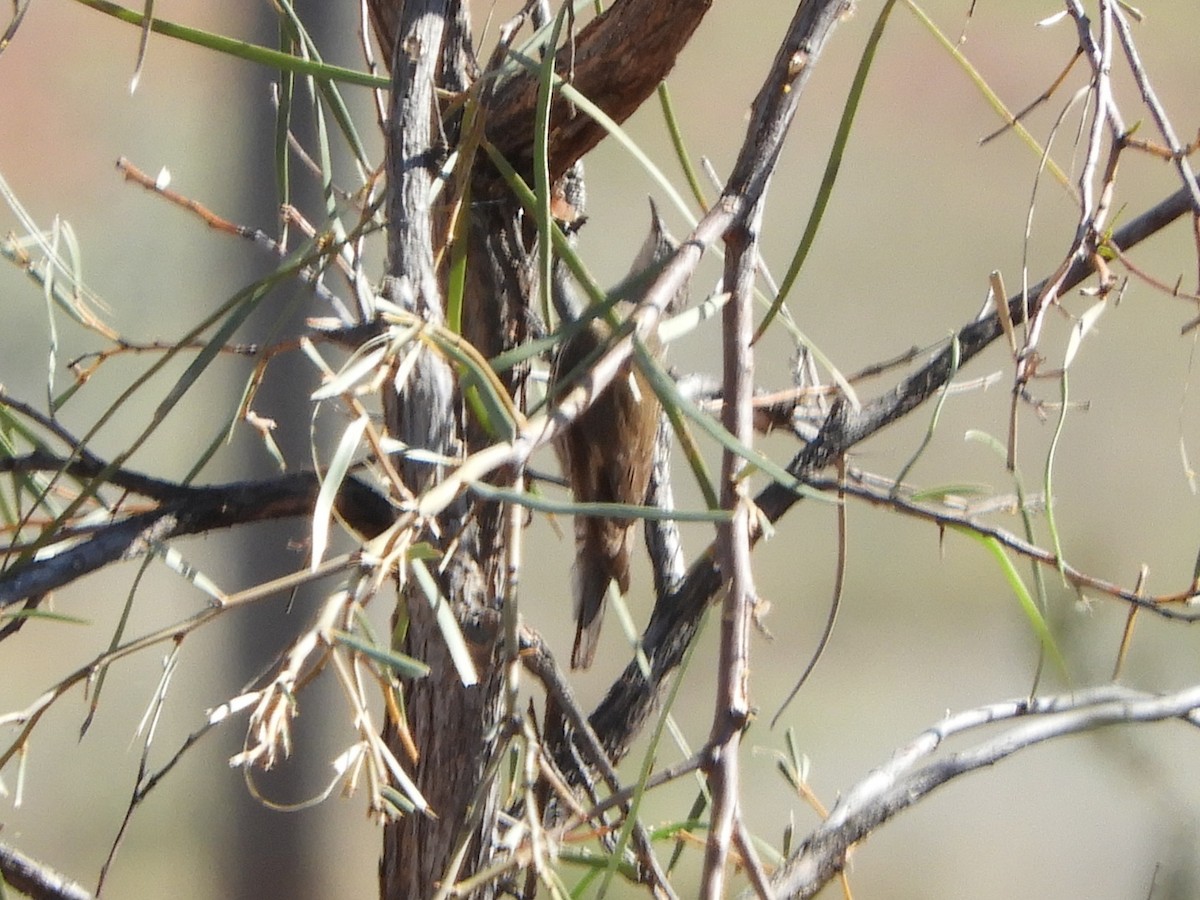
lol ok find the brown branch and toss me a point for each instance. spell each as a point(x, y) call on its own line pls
point(618, 61)
point(732, 708)
point(1171, 606)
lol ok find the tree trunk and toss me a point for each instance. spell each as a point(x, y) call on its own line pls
point(455, 727)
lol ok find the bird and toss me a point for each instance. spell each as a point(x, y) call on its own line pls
point(607, 452)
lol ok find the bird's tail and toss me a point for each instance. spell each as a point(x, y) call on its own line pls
point(602, 556)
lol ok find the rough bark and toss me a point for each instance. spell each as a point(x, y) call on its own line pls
point(454, 724)
point(618, 61)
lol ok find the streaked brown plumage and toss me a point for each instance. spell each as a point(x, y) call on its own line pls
point(607, 454)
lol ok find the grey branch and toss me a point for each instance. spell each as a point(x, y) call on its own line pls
point(36, 879)
point(676, 616)
point(181, 510)
point(899, 783)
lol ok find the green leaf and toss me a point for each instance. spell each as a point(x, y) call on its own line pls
point(615, 510)
point(1017, 585)
point(660, 380)
point(43, 614)
point(617, 133)
point(339, 465)
point(680, 147)
point(1083, 325)
point(832, 166)
point(239, 49)
point(447, 623)
point(401, 663)
point(541, 165)
point(933, 419)
point(991, 96)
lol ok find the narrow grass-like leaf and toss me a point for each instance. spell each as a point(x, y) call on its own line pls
point(447, 623)
point(502, 362)
point(1017, 585)
point(143, 45)
point(118, 635)
point(48, 615)
point(295, 29)
point(489, 400)
point(283, 131)
point(715, 430)
point(664, 722)
point(982, 437)
point(679, 145)
point(615, 510)
point(618, 134)
point(237, 316)
point(992, 98)
point(400, 663)
point(175, 561)
point(693, 822)
point(31, 484)
point(339, 465)
point(407, 785)
point(832, 166)
point(825, 363)
point(328, 90)
point(1023, 510)
point(18, 16)
point(1083, 325)
point(692, 318)
point(561, 245)
point(596, 863)
point(51, 323)
point(88, 489)
point(667, 391)
point(366, 364)
point(397, 804)
point(456, 277)
point(942, 492)
point(81, 303)
point(239, 49)
point(541, 165)
point(538, 39)
point(933, 419)
point(1048, 476)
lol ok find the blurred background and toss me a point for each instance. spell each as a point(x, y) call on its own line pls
point(920, 217)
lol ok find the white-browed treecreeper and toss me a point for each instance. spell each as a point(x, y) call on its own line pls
point(607, 453)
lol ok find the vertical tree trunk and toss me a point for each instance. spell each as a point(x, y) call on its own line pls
point(455, 726)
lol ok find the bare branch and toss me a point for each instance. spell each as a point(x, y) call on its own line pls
point(617, 62)
point(676, 617)
point(897, 785)
point(182, 510)
point(1173, 606)
point(39, 881)
point(1178, 151)
point(732, 707)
